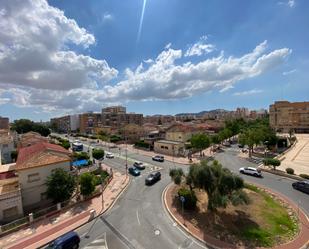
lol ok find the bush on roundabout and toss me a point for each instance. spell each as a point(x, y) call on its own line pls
point(190, 198)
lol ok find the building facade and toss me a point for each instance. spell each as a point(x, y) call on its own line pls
point(4, 123)
point(116, 117)
point(10, 194)
point(285, 116)
point(34, 164)
point(7, 146)
point(89, 121)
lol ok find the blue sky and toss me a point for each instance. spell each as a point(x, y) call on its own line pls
point(60, 57)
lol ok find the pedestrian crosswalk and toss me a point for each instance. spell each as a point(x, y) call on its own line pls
point(99, 243)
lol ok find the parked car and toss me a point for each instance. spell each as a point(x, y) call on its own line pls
point(134, 171)
point(69, 240)
point(153, 178)
point(139, 165)
point(251, 171)
point(109, 155)
point(301, 186)
point(241, 146)
point(158, 158)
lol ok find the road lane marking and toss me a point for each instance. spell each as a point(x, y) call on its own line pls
point(138, 218)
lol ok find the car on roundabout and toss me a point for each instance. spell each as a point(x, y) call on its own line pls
point(139, 165)
point(134, 171)
point(152, 178)
point(251, 171)
point(302, 186)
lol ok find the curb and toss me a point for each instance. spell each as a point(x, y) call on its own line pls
point(286, 199)
point(99, 214)
point(186, 230)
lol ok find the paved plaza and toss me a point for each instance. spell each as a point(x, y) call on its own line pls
point(298, 157)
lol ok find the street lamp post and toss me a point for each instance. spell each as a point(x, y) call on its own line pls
point(183, 199)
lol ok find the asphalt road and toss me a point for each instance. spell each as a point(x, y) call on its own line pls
point(139, 220)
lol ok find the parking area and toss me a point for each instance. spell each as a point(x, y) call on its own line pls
point(298, 157)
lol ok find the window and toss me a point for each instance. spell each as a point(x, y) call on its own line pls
point(34, 177)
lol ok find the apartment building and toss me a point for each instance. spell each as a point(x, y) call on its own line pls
point(159, 119)
point(65, 124)
point(34, 164)
point(116, 117)
point(89, 121)
point(285, 116)
point(4, 123)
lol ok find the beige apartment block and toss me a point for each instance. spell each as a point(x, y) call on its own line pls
point(286, 116)
point(34, 164)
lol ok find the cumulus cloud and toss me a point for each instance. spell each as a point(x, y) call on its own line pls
point(200, 48)
point(249, 92)
point(37, 68)
point(33, 48)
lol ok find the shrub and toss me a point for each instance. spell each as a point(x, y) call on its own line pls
point(289, 171)
point(304, 176)
point(271, 162)
point(190, 198)
point(98, 153)
point(141, 144)
point(87, 183)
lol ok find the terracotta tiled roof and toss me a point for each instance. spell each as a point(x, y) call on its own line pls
point(41, 154)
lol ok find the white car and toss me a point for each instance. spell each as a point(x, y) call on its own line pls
point(139, 165)
point(250, 171)
point(109, 155)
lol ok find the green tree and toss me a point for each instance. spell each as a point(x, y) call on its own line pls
point(26, 125)
point(222, 186)
point(87, 183)
point(272, 162)
point(176, 175)
point(81, 155)
point(98, 153)
point(60, 185)
point(65, 143)
point(200, 142)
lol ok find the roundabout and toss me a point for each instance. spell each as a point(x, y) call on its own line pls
point(286, 226)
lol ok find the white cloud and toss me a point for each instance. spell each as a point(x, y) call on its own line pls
point(289, 3)
point(200, 48)
point(33, 48)
point(107, 17)
point(38, 69)
point(249, 92)
point(289, 72)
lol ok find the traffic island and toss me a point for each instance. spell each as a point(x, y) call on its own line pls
point(268, 221)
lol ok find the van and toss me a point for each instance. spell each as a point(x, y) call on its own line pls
point(69, 240)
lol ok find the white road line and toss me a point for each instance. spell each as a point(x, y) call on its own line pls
point(138, 218)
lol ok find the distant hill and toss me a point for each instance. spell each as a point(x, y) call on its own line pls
point(216, 111)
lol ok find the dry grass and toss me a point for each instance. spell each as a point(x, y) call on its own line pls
point(264, 222)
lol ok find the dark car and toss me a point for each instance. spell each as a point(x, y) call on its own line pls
point(301, 186)
point(139, 165)
point(69, 240)
point(158, 158)
point(134, 171)
point(241, 146)
point(153, 178)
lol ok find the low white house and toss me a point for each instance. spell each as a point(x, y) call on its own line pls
point(34, 164)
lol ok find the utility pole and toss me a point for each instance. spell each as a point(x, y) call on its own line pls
point(125, 140)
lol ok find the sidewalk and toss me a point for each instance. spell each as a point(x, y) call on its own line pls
point(49, 229)
point(180, 160)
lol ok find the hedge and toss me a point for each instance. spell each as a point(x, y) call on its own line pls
point(289, 171)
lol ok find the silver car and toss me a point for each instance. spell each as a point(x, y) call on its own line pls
point(250, 171)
